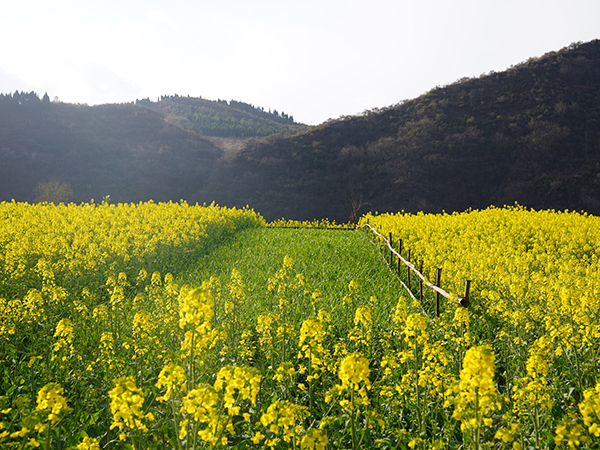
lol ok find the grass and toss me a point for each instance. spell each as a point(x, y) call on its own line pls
point(328, 259)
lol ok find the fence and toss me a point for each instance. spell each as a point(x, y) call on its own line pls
point(410, 267)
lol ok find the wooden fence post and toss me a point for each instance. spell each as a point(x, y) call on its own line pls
point(438, 282)
point(400, 253)
point(464, 301)
point(391, 252)
point(421, 281)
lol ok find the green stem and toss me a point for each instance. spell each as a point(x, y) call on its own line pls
point(175, 424)
point(138, 434)
point(536, 425)
point(47, 440)
point(191, 385)
point(191, 360)
point(195, 433)
point(310, 383)
point(419, 415)
point(220, 413)
point(477, 429)
point(577, 365)
point(353, 421)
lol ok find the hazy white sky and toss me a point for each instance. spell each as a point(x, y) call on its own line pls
point(313, 59)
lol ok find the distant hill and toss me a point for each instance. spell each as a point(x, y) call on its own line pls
point(530, 134)
point(233, 119)
point(126, 151)
point(165, 150)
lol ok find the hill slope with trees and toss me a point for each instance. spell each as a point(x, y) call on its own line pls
point(126, 151)
point(220, 118)
point(530, 134)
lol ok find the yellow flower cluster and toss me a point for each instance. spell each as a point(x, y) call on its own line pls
point(64, 335)
point(354, 370)
point(301, 366)
point(282, 418)
point(283, 282)
point(415, 330)
point(56, 245)
point(237, 383)
point(126, 406)
point(52, 403)
point(204, 404)
point(196, 308)
point(201, 404)
point(535, 277)
point(510, 254)
point(475, 396)
point(363, 321)
point(314, 439)
point(323, 223)
point(533, 391)
point(590, 410)
point(89, 443)
point(312, 333)
point(51, 406)
point(88, 235)
point(173, 378)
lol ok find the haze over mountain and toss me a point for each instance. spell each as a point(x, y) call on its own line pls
point(130, 152)
point(530, 134)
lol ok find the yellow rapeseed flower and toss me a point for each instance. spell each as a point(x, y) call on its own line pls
point(89, 443)
point(195, 308)
point(52, 403)
point(126, 406)
point(476, 396)
point(64, 333)
point(314, 439)
point(285, 419)
point(237, 383)
point(173, 378)
point(354, 370)
point(590, 409)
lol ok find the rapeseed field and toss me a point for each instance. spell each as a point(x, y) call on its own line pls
point(103, 346)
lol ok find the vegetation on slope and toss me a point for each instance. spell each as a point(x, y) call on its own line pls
point(234, 119)
point(529, 134)
point(128, 152)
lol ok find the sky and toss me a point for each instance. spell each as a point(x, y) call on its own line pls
point(312, 59)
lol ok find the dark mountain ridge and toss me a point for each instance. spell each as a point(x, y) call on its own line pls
point(530, 134)
point(132, 152)
point(128, 152)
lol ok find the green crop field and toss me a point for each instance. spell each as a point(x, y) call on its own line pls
point(174, 326)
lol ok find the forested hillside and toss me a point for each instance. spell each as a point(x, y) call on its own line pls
point(233, 119)
point(128, 152)
point(530, 134)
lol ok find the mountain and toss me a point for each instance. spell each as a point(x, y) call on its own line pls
point(530, 134)
point(126, 151)
point(164, 150)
